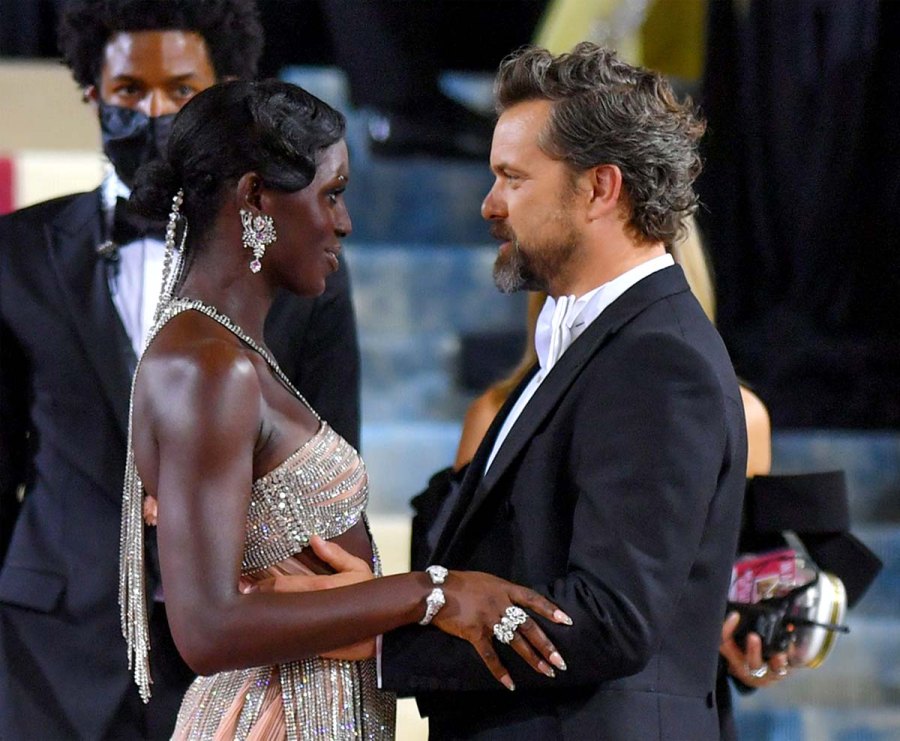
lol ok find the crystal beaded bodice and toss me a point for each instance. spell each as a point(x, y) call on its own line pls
point(321, 489)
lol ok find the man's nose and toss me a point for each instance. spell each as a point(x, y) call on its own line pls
point(159, 103)
point(491, 208)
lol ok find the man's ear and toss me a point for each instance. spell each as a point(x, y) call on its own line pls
point(249, 191)
point(91, 96)
point(605, 183)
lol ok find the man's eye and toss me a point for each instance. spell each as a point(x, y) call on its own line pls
point(335, 194)
point(185, 91)
point(127, 90)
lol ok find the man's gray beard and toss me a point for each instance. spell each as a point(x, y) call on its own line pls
point(514, 274)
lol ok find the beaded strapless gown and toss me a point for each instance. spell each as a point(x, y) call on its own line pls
point(321, 489)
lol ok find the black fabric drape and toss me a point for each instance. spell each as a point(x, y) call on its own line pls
point(801, 204)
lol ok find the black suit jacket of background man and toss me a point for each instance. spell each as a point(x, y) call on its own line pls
point(617, 494)
point(65, 374)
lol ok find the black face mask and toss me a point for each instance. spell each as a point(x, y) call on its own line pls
point(131, 138)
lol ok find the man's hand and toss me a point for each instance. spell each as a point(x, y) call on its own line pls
point(748, 666)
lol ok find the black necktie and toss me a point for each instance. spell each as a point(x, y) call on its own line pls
point(128, 225)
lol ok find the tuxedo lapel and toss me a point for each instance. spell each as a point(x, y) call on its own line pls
point(472, 481)
point(82, 276)
point(477, 489)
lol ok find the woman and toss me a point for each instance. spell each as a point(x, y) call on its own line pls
point(242, 478)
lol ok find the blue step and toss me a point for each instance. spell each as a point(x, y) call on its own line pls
point(883, 597)
point(820, 724)
point(401, 457)
point(413, 306)
point(433, 288)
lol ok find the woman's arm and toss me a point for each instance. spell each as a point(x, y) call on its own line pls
point(759, 434)
point(205, 413)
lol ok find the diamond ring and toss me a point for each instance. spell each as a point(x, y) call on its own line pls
point(505, 630)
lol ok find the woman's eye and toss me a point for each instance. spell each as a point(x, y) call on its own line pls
point(335, 194)
point(184, 91)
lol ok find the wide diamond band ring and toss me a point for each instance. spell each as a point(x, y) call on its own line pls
point(505, 630)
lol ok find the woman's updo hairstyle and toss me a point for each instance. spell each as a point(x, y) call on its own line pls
point(269, 127)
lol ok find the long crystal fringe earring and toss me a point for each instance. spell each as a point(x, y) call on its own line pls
point(259, 233)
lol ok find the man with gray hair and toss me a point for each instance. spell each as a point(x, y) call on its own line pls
point(612, 479)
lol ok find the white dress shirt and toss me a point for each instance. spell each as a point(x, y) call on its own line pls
point(561, 322)
point(137, 281)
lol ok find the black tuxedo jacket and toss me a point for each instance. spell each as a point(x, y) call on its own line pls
point(617, 494)
point(65, 373)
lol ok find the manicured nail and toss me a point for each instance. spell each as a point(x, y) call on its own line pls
point(507, 682)
point(557, 661)
point(547, 669)
point(560, 617)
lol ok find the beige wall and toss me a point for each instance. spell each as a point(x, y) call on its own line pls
point(41, 174)
point(50, 134)
point(41, 108)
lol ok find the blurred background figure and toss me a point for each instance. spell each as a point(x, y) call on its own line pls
point(802, 194)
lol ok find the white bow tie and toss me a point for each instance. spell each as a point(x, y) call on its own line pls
point(562, 321)
point(553, 333)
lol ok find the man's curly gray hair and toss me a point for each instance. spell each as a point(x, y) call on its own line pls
point(608, 112)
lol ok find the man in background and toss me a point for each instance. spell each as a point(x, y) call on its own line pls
point(79, 279)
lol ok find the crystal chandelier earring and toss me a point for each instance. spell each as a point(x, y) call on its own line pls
point(259, 233)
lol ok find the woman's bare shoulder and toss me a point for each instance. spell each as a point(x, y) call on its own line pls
point(194, 362)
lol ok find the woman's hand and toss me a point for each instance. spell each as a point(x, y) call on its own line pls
point(747, 665)
point(475, 602)
point(348, 570)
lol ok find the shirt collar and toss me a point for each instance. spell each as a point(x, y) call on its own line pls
point(562, 320)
